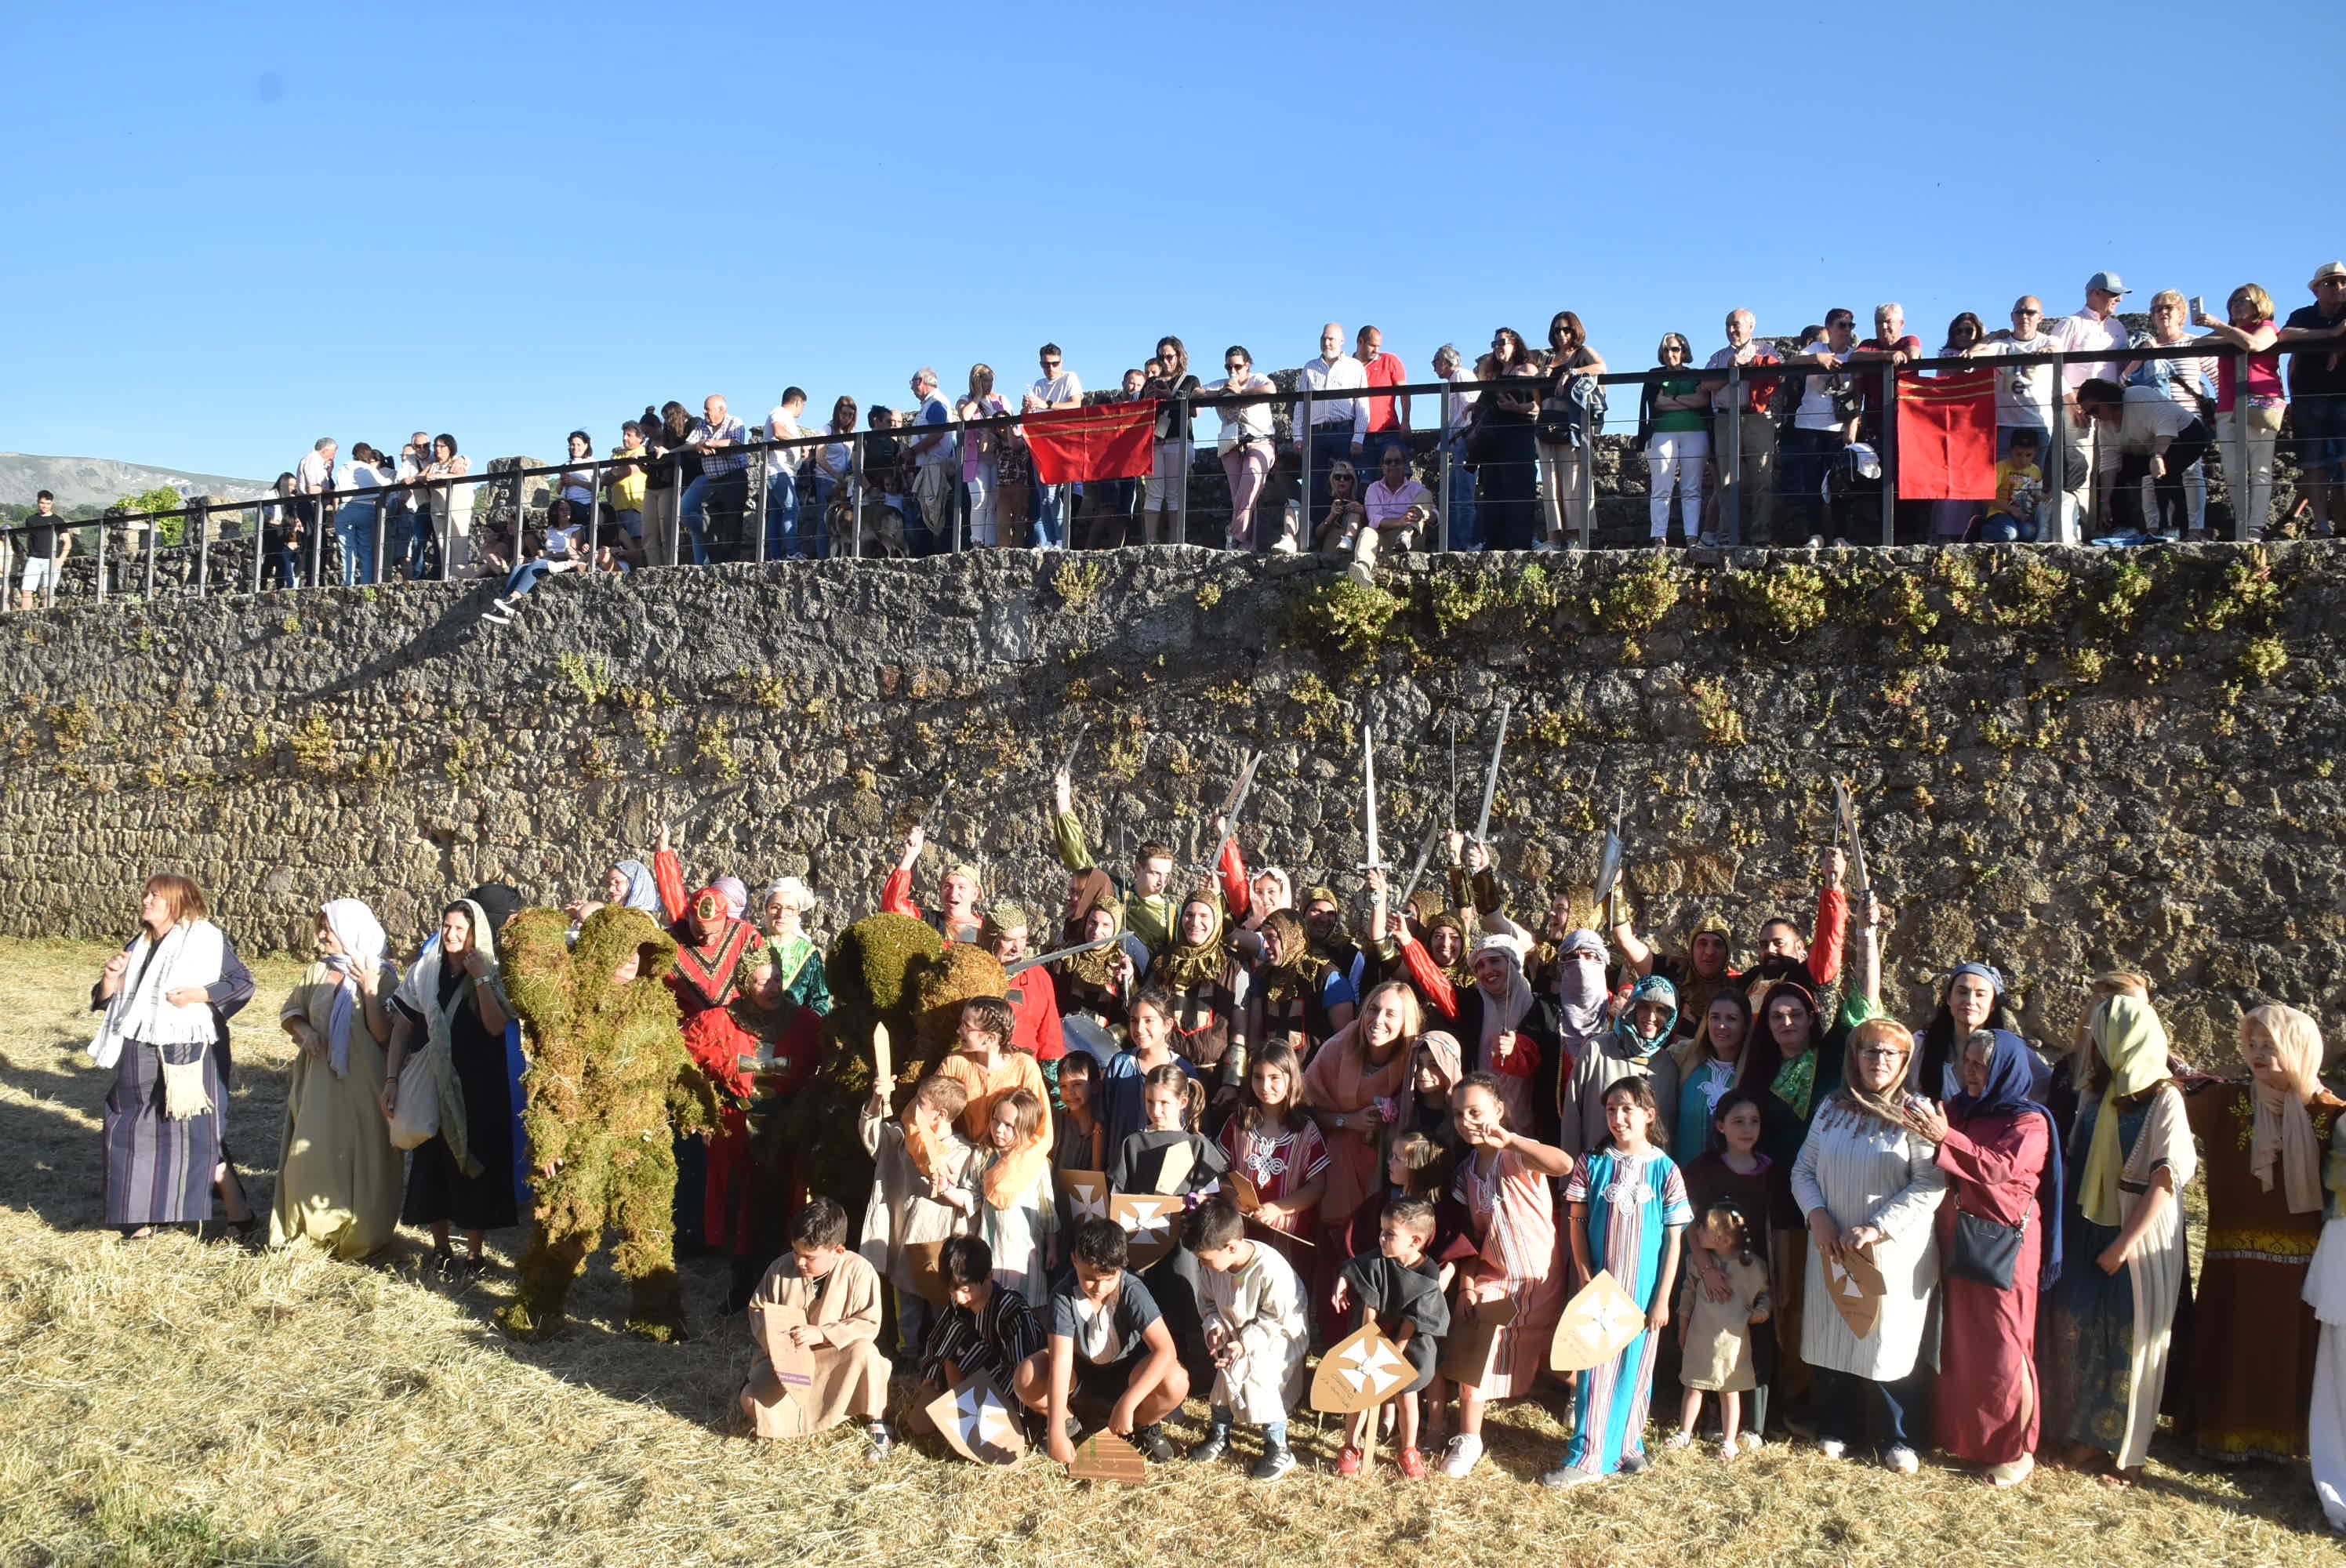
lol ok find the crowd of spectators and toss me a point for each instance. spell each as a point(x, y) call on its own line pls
point(1777, 440)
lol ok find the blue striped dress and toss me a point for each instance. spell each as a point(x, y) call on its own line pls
point(1634, 1203)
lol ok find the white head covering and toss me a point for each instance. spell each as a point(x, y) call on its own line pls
point(360, 934)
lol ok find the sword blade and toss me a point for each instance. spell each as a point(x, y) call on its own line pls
point(1024, 964)
point(1069, 765)
point(1417, 871)
point(1490, 779)
point(1368, 780)
point(1232, 804)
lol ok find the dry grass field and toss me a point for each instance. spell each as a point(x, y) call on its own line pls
point(173, 1401)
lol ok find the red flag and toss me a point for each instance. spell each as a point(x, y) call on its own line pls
point(1946, 436)
point(1100, 441)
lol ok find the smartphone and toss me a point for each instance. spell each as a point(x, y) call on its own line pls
point(2198, 306)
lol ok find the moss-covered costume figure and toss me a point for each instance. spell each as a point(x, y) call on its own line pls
point(608, 1081)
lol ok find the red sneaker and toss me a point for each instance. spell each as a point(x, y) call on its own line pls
point(1412, 1463)
point(1348, 1461)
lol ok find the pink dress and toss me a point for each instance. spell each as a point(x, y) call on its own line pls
point(1512, 1210)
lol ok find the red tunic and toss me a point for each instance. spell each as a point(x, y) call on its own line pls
point(1034, 1009)
point(738, 1194)
point(1987, 1402)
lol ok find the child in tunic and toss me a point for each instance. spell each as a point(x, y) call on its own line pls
point(1735, 1171)
point(1169, 1156)
point(1018, 1213)
point(1280, 1150)
point(984, 1062)
point(1397, 1285)
point(1079, 1139)
point(1503, 1185)
point(1716, 1336)
point(1629, 1210)
point(1256, 1332)
point(1106, 1340)
point(821, 1300)
point(920, 1194)
point(984, 1330)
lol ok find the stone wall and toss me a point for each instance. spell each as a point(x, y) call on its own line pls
point(2067, 759)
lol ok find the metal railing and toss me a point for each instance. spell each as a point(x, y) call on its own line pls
point(442, 531)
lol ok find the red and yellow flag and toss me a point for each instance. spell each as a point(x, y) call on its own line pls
point(1099, 441)
point(1946, 436)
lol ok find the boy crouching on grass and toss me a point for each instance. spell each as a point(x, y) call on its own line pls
point(1256, 1332)
point(823, 1302)
point(1107, 1340)
point(986, 1329)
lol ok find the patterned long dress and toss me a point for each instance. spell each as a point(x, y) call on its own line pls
point(2253, 1337)
point(1635, 1201)
point(1512, 1209)
point(2106, 1336)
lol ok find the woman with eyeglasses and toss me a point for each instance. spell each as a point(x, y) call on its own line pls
point(1571, 413)
point(1170, 476)
point(2190, 380)
point(1346, 514)
point(1673, 419)
point(1871, 1187)
point(1244, 446)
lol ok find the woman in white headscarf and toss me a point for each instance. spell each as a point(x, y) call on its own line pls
point(452, 1008)
point(338, 1175)
point(798, 961)
point(2253, 1337)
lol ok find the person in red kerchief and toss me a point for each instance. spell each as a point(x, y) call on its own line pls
point(758, 1050)
point(1033, 998)
point(955, 917)
point(711, 938)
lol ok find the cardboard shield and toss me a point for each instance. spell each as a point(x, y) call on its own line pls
point(1856, 1288)
point(1173, 1167)
point(1466, 1351)
point(1360, 1373)
point(787, 1388)
point(926, 1259)
point(979, 1422)
point(1086, 1194)
point(1597, 1325)
point(1243, 1192)
point(1152, 1225)
point(1104, 1456)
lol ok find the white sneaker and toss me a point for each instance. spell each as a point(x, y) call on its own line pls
point(1751, 1442)
point(1832, 1448)
point(1902, 1460)
point(2012, 1472)
point(1463, 1452)
point(1681, 1439)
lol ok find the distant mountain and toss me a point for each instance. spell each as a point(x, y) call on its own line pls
point(79, 482)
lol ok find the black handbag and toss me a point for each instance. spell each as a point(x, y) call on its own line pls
point(1985, 1250)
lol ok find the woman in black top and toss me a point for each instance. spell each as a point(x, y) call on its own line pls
point(1504, 451)
point(1171, 475)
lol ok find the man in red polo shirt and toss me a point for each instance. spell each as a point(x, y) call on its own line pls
point(1387, 416)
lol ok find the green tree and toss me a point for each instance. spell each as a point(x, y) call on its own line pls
point(162, 498)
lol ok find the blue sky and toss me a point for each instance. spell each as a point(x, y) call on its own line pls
point(238, 228)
